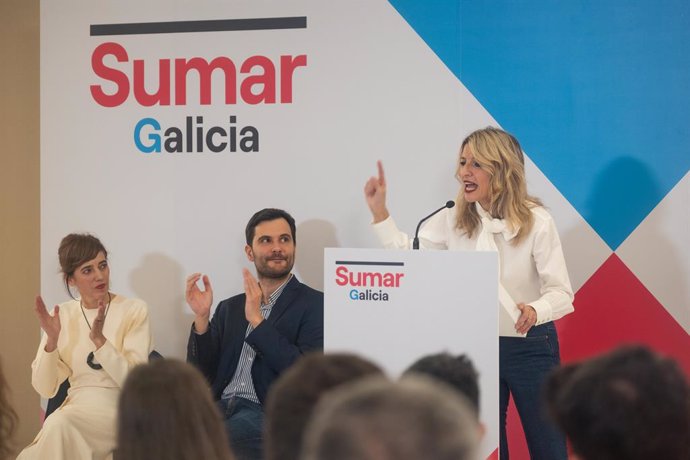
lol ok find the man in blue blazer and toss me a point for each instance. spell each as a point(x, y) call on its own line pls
point(254, 337)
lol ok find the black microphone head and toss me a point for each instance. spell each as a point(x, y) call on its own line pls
point(450, 204)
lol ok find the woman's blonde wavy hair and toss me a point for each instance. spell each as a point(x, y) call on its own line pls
point(499, 154)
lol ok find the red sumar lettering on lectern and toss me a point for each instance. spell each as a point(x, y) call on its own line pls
point(345, 277)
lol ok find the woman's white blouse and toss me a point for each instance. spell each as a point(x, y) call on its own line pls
point(533, 271)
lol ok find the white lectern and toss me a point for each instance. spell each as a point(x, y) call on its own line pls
point(395, 306)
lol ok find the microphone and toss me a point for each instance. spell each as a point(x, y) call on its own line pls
point(415, 241)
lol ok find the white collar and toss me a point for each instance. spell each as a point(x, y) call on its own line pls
point(492, 225)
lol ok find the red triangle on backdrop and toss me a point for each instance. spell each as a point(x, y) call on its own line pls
point(614, 308)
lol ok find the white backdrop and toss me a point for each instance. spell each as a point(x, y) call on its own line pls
point(371, 89)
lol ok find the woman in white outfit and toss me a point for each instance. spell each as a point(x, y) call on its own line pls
point(495, 213)
point(93, 340)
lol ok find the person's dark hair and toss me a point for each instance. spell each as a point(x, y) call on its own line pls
point(8, 419)
point(166, 411)
point(456, 371)
point(294, 395)
point(266, 215)
point(75, 250)
point(627, 404)
point(374, 419)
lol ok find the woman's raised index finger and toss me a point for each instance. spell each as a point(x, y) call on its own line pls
point(382, 176)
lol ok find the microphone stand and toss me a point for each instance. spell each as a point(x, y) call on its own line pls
point(415, 241)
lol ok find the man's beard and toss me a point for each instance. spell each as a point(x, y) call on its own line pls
point(264, 270)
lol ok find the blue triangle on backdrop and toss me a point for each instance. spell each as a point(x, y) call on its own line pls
point(598, 92)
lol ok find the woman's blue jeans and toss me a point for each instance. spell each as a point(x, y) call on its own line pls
point(523, 366)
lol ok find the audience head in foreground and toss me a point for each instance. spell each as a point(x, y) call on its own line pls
point(374, 419)
point(627, 404)
point(166, 411)
point(457, 371)
point(294, 396)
